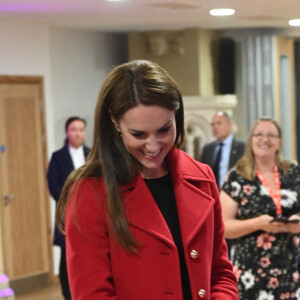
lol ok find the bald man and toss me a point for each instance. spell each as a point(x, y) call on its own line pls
point(232, 148)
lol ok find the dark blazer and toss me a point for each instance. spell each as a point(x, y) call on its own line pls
point(59, 169)
point(236, 152)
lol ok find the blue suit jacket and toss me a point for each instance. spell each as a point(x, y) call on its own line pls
point(60, 167)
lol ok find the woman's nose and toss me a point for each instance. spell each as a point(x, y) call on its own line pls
point(265, 137)
point(152, 144)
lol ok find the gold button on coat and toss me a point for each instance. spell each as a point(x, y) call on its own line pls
point(202, 293)
point(194, 254)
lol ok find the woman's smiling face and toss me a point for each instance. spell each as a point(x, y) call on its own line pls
point(265, 140)
point(148, 133)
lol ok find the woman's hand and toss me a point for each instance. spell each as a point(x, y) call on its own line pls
point(293, 227)
point(264, 222)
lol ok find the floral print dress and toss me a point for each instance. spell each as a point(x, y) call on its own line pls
point(265, 263)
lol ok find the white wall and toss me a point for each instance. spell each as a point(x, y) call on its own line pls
point(73, 64)
point(24, 50)
point(79, 62)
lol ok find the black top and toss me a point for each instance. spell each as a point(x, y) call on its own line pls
point(163, 193)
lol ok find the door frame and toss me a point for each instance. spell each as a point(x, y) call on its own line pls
point(28, 285)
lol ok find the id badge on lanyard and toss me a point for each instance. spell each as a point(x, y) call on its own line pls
point(276, 197)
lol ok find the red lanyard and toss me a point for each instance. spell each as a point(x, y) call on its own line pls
point(277, 196)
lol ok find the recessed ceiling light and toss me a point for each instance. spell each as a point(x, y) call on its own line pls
point(222, 12)
point(294, 22)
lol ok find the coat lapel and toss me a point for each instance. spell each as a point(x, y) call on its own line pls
point(233, 153)
point(212, 152)
point(143, 212)
point(193, 206)
point(192, 186)
point(67, 158)
point(86, 151)
point(192, 189)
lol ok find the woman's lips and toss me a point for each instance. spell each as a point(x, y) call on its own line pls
point(150, 154)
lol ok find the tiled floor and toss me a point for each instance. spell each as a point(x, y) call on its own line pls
point(49, 293)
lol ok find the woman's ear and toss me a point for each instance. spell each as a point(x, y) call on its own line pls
point(115, 122)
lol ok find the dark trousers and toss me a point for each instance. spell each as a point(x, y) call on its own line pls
point(63, 276)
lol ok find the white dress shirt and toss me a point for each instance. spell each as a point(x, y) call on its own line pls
point(77, 156)
point(224, 163)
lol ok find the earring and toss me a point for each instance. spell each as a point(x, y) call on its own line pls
point(118, 132)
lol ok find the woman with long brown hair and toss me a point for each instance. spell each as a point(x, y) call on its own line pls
point(142, 218)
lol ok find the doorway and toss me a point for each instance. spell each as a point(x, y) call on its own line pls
point(25, 207)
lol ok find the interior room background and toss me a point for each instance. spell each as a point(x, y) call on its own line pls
point(73, 64)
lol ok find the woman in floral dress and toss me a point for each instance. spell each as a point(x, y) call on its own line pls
point(260, 188)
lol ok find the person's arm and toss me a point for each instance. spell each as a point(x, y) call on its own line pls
point(87, 245)
point(295, 227)
point(235, 228)
point(54, 184)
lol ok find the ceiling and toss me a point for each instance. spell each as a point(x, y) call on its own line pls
point(140, 15)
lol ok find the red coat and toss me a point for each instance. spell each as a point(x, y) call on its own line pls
point(100, 269)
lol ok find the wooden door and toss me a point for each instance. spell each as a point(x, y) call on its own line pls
point(25, 219)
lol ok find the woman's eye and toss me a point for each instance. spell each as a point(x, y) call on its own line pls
point(137, 134)
point(165, 129)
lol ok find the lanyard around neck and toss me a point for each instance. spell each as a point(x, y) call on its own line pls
point(276, 197)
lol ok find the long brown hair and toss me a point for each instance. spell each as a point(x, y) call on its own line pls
point(246, 165)
point(126, 86)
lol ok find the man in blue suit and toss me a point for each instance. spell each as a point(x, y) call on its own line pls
point(71, 156)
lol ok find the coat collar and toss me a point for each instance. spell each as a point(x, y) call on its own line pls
point(67, 157)
point(192, 187)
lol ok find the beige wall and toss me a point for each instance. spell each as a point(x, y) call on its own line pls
point(193, 69)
